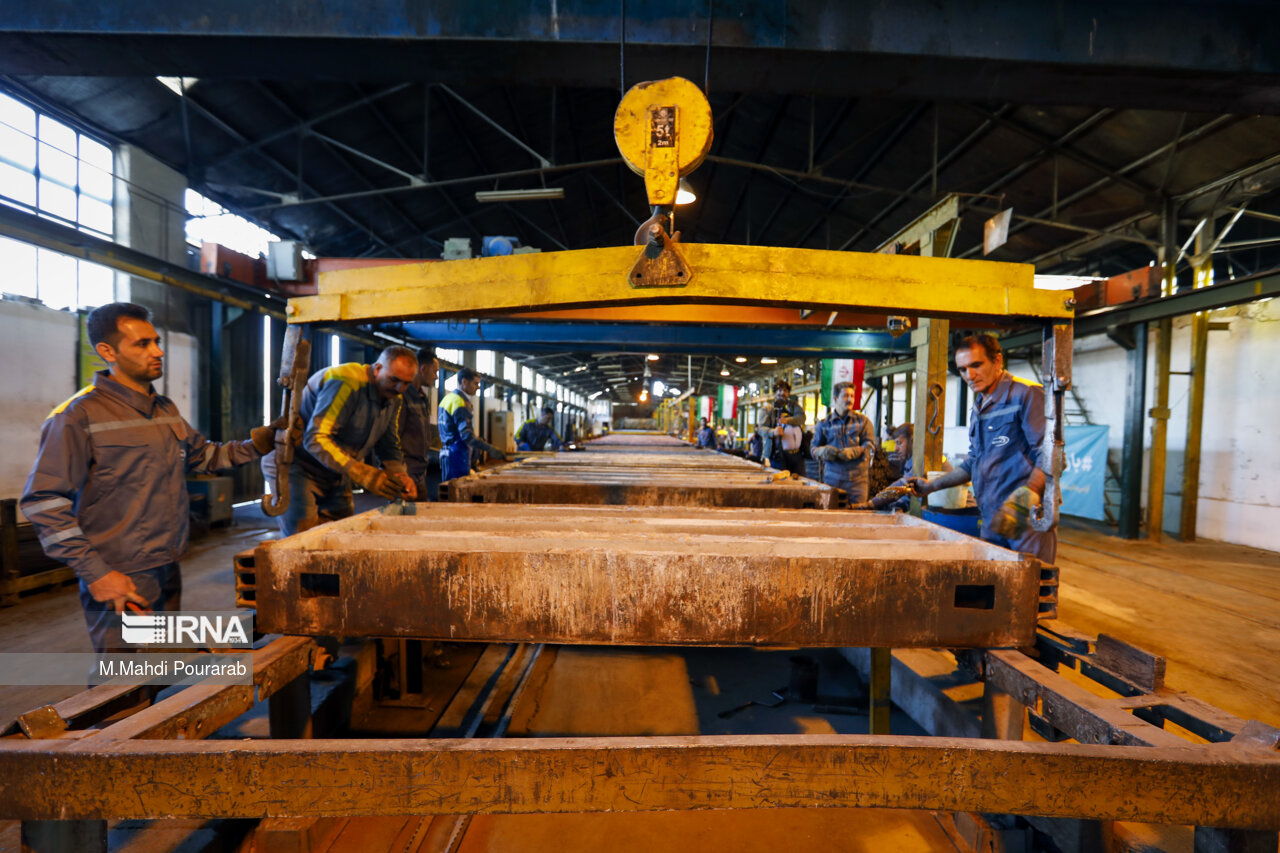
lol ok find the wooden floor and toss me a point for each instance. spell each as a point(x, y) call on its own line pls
point(1211, 609)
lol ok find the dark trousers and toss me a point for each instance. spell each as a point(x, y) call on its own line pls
point(161, 587)
point(789, 460)
point(312, 503)
point(426, 479)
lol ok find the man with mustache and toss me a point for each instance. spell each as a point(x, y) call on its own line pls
point(1007, 462)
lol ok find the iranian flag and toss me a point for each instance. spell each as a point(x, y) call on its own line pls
point(705, 408)
point(728, 401)
point(837, 370)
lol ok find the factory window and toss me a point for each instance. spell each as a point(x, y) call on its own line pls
point(485, 362)
point(210, 222)
point(526, 378)
point(539, 383)
point(452, 356)
point(510, 371)
point(50, 168)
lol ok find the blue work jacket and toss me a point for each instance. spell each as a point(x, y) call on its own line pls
point(1006, 431)
point(852, 430)
point(456, 436)
point(534, 435)
point(706, 437)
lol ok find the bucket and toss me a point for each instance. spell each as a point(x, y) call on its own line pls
point(953, 498)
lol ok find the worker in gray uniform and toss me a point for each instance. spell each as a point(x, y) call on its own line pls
point(419, 432)
point(845, 443)
point(1007, 461)
point(107, 494)
point(783, 413)
point(536, 434)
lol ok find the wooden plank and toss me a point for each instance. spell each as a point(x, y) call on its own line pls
point(1131, 663)
point(1217, 785)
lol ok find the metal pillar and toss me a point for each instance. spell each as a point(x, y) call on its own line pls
point(1130, 520)
point(888, 400)
point(289, 709)
point(1195, 398)
point(218, 426)
point(1160, 411)
point(879, 691)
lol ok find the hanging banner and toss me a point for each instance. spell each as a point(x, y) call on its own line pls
point(728, 402)
point(1085, 476)
point(837, 370)
point(705, 408)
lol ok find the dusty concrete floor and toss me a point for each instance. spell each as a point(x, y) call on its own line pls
point(1213, 610)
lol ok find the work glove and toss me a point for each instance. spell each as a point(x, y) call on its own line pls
point(826, 453)
point(376, 481)
point(1014, 517)
point(264, 437)
point(920, 486)
point(852, 453)
point(498, 455)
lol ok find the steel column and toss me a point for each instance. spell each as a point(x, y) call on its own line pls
point(879, 689)
point(1130, 520)
point(1160, 411)
point(1203, 261)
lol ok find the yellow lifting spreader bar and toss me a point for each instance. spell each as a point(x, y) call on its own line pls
point(723, 274)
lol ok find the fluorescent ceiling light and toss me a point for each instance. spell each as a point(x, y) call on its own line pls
point(724, 373)
point(768, 361)
point(652, 357)
point(535, 194)
point(742, 359)
point(1064, 282)
point(178, 85)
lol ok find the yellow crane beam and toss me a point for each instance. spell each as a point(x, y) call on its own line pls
point(720, 274)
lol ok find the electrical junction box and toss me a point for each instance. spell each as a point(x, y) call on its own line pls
point(502, 431)
point(456, 249)
point(284, 260)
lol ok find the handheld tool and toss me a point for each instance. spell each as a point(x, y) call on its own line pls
point(295, 365)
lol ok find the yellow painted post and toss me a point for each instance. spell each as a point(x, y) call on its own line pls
point(693, 418)
point(1195, 401)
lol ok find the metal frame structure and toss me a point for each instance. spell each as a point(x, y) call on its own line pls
point(646, 575)
point(1125, 766)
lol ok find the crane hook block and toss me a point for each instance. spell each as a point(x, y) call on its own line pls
point(663, 131)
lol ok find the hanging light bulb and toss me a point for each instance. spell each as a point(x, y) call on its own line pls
point(685, 193)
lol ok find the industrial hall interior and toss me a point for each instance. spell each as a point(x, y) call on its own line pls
point(443, 426)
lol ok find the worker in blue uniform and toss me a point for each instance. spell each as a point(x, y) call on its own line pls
point(457, 435)
point(537, 433)
point(706, 435)
point(1007, 461)
point(844, 442)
